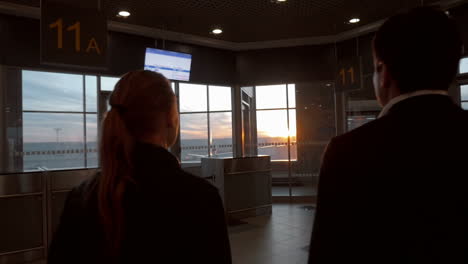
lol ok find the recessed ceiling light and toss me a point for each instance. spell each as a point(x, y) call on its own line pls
point(354, 20)
point(217, 31)
point(124, 13)
point(281, 1)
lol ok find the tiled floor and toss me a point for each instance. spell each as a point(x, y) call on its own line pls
point(281, 238)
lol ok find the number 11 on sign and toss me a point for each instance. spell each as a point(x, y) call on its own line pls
point(351, 74)
point(92, 45)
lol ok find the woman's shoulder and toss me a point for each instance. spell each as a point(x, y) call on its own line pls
point(81, 195)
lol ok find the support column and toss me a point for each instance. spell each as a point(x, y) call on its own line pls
point(340, 112)
point(237, 121)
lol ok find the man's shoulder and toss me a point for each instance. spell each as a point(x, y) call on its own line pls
point(392, 128)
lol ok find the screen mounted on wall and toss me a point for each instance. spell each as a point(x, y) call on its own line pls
point(173, 65)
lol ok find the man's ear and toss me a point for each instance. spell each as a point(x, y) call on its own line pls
point(172, 120)
point(385, 77)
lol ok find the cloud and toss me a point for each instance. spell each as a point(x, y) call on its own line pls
point(41, 127)
point(52, 91)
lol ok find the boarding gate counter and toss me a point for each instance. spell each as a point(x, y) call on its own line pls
point(244, 184)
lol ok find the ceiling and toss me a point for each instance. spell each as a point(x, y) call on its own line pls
point(251, 20)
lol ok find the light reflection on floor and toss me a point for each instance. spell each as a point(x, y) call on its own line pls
point(310, 190)
point(282, 237)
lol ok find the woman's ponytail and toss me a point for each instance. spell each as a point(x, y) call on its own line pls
point(116, 162)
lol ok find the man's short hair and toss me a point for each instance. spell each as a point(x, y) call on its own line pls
point(421, 48)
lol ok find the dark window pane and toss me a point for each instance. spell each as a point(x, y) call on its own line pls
point(53, 141)
point(49, 91)
point(193, 137)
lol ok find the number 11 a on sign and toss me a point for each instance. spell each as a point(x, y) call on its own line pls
point(92, 43)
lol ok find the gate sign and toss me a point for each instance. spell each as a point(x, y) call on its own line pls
point(349, 75)
point(73, 36)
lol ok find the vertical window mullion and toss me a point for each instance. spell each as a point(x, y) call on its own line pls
point(84, 124)
point(289, 142)
point(254, 102)
point(98, 118)
point(208, 119)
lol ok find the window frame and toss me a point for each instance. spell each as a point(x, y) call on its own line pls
point(208, 113)
point(462, 80)
point(83, 111)
point(287, 110)
point(464, 58)
point(175, 84)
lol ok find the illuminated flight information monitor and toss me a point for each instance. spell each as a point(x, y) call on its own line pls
point(173, 65)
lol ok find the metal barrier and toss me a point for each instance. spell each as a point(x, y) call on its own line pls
point(31, 204)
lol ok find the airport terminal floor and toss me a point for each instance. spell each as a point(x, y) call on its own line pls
point(282, 237)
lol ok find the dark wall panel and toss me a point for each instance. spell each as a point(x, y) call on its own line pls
point(360, 47)
point(21, 38)
point(315, 123)
point(20, 46)
point(214, 66)
point(209, 65)
point(365, 51)
point(21, 224)
point(298, 64)
point(347, 49)
point(126, 52)
point(460, 14)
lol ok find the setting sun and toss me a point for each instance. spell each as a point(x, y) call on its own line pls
point(278, 133)
point(273, 124)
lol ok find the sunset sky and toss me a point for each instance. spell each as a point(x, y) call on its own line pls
point(44, 91)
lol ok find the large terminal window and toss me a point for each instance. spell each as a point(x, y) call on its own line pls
point(59, 120)
point(464, 96)
point(463, 71)
point(108, 83)
point(276, 121)
point(205, 121)
point(463, 66)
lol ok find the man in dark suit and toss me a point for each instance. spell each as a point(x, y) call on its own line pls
point(396, 189)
